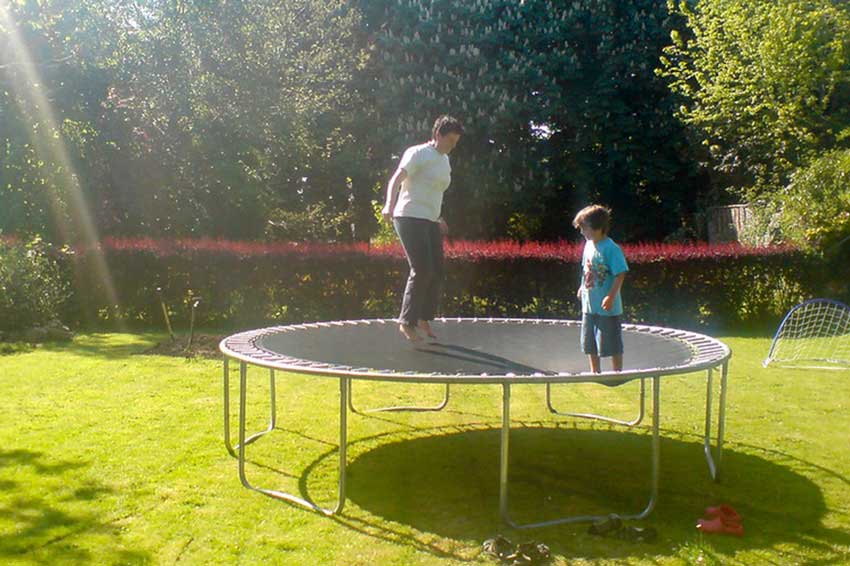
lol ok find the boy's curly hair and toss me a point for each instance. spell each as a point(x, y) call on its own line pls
point(596, 216)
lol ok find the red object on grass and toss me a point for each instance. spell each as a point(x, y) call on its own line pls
point(721, 519)
point(727, 512)
point(718, 526)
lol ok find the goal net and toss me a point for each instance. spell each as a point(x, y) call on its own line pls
point(814, 334)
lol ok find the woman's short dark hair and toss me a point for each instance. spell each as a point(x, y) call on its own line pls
point(445, 124)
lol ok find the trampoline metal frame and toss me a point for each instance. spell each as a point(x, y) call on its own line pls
point(713, 457)
point(634, 422)
point(416, 409)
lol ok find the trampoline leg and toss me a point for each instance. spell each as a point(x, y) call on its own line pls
point(504, 455)
point(272, 402)
point(634, 422)
point(714, 460)
point(656, 447)
point(343, 449)
point(439, 407)
point(504, 449)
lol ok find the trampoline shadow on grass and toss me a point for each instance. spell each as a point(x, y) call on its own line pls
point(408, 486)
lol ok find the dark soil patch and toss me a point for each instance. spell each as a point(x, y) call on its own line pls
point(203, 346)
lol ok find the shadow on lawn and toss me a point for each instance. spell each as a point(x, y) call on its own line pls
point(103, 346)
point(446, 483)
point(45, 526)
point(9, 348)
point(204, 346)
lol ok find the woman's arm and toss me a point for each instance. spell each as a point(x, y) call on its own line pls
point(392, 193)
point(444, 228)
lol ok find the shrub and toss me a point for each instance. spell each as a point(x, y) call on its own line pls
point(316, 223)
point(33, 286)
point(816, 205)
point(385, 233)
point(764, 226)
point(249, 283)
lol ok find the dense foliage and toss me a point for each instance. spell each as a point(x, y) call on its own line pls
point(258, 121)
point(248, 283)
point(766, 83)
point(176, 118)
point(33, 287)
point(816, 204)
point(766, 87)
point(214, 118)
point(561, 106)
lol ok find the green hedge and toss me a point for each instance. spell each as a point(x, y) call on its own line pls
point(240, 287)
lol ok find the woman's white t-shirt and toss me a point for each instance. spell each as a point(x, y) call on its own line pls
point(428, 177)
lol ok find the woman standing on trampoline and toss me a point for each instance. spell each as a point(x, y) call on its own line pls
point(414, 200)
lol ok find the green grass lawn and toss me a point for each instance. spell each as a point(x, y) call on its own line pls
point(110, 456)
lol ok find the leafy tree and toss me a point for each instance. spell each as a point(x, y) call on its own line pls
point(245, 105)
point(766, 85)
point(560, 103)
point(213, 118)
point(184, 118)
point(48, 104)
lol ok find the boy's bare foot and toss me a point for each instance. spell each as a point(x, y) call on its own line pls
point(409, 332)
point(425, 326)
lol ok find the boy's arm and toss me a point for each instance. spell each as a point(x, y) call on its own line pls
point(580, 278)
point(608, 301)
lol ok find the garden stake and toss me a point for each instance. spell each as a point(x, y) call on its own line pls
point(165, 314)
point(195, 303)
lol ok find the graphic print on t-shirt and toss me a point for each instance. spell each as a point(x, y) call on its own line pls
point(595, 272)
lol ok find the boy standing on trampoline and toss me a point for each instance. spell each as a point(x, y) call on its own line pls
point(604, 268)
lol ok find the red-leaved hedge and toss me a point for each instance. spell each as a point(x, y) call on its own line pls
point(254, 283)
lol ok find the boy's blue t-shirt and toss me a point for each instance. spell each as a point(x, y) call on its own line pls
point(601, 264)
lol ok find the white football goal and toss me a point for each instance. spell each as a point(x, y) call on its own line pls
point(814, 334)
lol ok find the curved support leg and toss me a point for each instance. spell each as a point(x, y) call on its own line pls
point(344, 386)
point(714, 460)
point(634, 422)
point(655, 464)
point(272, 402)
point(439, 407)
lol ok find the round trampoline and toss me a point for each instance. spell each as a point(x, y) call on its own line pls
point(471, 350)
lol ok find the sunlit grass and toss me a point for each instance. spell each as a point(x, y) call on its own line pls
point(110, 456)
point(813, 352)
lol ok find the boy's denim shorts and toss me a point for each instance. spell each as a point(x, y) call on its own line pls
point(601, 335)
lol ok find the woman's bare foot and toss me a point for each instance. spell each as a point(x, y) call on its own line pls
point(425, 326)
point(409, 332)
